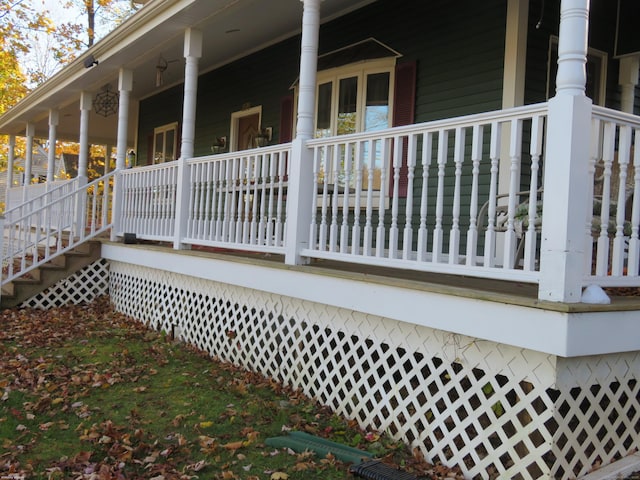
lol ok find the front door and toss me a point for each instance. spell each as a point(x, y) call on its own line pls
point(248, 128)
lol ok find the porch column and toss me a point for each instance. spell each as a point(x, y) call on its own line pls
point(565, 183)
point(11, 156)
point(301, 191)
point(628, 80)
point(83, 157)
point(192, 54)
point(28, 154)
point(51, 159)
point(125, 85)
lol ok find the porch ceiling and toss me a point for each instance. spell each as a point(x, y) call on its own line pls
point(231, 29)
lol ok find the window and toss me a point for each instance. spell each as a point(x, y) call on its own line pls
point(596, 73)
point(354, 98)
point(165, 140)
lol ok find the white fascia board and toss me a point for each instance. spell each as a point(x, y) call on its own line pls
point(544, 330)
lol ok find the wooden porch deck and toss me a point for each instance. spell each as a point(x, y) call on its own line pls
point(507, 292)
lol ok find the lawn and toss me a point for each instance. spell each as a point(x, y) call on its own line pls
point(87, 393)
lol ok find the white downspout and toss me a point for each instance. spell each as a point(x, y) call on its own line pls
point(562, 265)
point(300, 193)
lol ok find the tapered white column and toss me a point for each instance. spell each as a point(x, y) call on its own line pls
point(301, 188)
point(565, 183)
point(125, 85)
point(11, 156)
point(28, 157)
point(51, 158)
point(192, 54)
point(83, 157)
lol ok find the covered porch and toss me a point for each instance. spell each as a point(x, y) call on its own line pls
point(425, 278)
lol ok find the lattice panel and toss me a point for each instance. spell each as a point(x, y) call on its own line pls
point(494, 410)
point(83, 286)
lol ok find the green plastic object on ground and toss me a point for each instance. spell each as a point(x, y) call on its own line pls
point(300, 442)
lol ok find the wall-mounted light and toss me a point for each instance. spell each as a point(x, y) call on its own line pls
point(90, 61)
point(131, 159)
point(263, 137)
point(219, 145)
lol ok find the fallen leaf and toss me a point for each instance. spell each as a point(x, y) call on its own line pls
point(279, 476)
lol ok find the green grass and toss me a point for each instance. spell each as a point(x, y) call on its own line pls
point(86, 390)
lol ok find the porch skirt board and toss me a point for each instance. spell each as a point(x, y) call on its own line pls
point(495, 410)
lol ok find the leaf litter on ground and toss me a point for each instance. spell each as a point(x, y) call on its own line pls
point(87, 393)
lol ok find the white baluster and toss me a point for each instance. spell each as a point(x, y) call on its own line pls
point(356, 231)
point(367, 240)
point(530, 243)
point(385, 148)
point(327, 153)
point(443, 145)
point(608, 148)
point(476, 157)
point(595, 152)
point(313, 226)
point(515, 147)
point(333, 229)
point(393, 228)
point(264, 173)
point(271, 218)
point(634, 242)
point(624, 147)
point(458, 158)
point(427, 149)
point(280, 199)
point(215, 187)
point(490, 234)
point(344, 228)
point(407, 241)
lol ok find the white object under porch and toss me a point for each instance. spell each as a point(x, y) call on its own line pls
point(477, 373)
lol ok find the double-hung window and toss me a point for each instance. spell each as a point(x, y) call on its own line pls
point(353, 99)
point(165, 145)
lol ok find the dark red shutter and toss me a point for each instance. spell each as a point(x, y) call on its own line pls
point(286, 119)
point(404, 109)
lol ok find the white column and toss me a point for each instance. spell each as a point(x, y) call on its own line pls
point(28, 156)
point(51, 159)
point(192, 54)
point(565, 183)
point(301, 191)
point(83, 157)
point(125, 85)
point(628, 80)
point(11, 156)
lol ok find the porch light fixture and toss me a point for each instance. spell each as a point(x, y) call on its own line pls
point(219, 145)
point(105, 102)
point(90, 61)
point(263, 137)
point(161, 66)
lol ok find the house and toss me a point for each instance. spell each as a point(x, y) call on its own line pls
point(395, 210)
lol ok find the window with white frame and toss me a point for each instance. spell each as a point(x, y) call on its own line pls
point(356, 98)
point(165, 143)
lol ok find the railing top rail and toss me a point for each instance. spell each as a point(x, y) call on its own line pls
point(61, 198)
point(59, 185)
point(149, 168)
point(281, 147)
point(608, 114)
point(498, 116)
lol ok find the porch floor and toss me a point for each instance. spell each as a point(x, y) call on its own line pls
point(508, 292)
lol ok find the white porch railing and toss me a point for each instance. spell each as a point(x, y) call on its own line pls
point(54, 222)
point(612, 232)
point(474, 206)
point(458, 217)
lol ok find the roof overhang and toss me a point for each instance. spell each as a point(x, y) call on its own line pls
point(231, 29)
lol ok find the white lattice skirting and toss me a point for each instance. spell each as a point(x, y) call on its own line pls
point(83, 286)
point(496, 410)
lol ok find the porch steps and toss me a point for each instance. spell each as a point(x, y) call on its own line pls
point(47, 275)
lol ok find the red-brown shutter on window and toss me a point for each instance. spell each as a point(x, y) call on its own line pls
point(404, 108)
point(286, 119)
